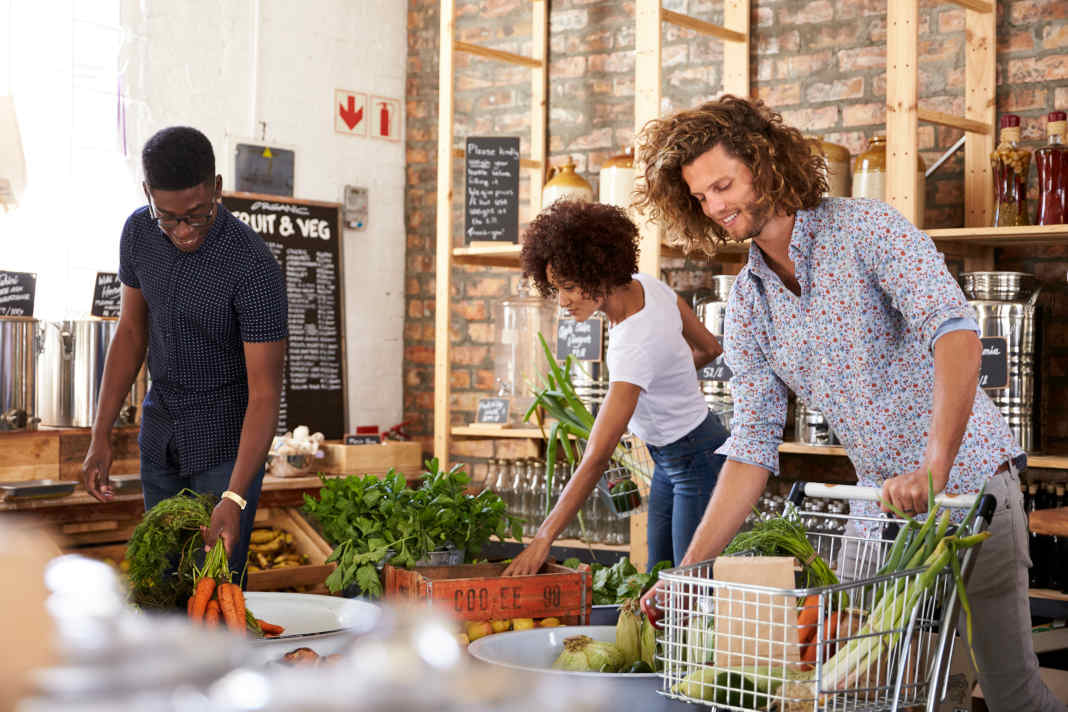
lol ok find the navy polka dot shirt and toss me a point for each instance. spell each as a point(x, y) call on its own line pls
point(202, 306)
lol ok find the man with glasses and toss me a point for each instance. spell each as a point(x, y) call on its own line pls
point(207, 300)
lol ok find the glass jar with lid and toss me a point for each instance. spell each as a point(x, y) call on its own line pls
point(519, 361)
point(869, 176)
point(1010, 165)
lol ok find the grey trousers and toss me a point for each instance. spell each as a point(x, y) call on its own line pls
point(1001, 613)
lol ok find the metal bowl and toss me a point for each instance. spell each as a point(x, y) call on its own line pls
point(535, 650)
point(999, 286)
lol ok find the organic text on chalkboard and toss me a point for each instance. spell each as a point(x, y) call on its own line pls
point(579, 339)
point(491, 171)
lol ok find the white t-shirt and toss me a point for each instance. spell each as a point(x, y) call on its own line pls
point(648, 350)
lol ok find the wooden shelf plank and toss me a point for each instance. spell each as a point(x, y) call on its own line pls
point(499, 55)
point(1048, 462)
point(477, 432)
point(702, 27)
point(495, 256)
point(1048, 594)
point(1003, 236)
point(528, 163)
point(938, 117)
point(977, 5)
point(579, 544)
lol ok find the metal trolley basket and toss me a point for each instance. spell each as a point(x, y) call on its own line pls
point(624, 486)
point(750, 631)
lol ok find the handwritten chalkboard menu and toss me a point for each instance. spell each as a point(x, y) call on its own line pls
point(579, 339)
point(305, 238)
point(492, 195)
point(994, 366)
point(718, 370)
point(17, 292)
point(492, 410)
point(107, 295)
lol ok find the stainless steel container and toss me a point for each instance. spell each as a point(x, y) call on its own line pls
point(1005, 306)
point(812, 428)
point(715, 377)
point(18, 370)
point(70, 368)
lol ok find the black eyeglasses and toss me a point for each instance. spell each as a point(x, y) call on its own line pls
point(171, 222)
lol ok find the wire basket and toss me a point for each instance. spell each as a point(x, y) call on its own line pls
point(624, 486)
point(735, 646)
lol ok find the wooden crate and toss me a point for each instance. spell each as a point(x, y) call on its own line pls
point(57, 453)
point(405, 457)
point(305, 540)
point(479, 592)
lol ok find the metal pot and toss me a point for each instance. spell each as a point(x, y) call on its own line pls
point(999, 286)
point(70, 369)
point(715, 378)
point(18, 371)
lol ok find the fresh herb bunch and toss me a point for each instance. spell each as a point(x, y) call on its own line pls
point(162, 547)
point(784, 536)
point(620, 581)
point(372, 520)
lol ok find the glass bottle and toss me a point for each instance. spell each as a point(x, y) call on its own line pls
point(493, 477)
point(1051, 163)
point(1010, 164)
point(1037, 575)
point(534, 498)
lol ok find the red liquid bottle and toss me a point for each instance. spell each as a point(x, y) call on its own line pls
point(1010, 165)
point(1051, 161)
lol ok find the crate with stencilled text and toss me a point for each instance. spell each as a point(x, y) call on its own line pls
point(480, 592)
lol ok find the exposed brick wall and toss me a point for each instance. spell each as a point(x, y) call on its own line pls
point(821, 63)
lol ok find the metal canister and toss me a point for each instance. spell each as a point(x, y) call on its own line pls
point(812, 428)
point(715, 378)
point(18, 372)
point(70, 369)
point(1005, 304)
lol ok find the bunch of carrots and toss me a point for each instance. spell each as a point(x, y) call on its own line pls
point(216, 600)
point(807, 627)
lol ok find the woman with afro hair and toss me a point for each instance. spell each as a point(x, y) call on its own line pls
point(586, 256)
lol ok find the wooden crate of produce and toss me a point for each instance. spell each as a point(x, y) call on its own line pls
point(479, 592)
point(405, 457)
point(306, 543)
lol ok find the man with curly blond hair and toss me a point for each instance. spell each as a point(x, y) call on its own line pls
point(850, 306)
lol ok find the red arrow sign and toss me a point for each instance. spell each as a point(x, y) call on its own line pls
point(350, 114)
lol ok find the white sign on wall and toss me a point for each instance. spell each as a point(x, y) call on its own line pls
point(385, 118)
point(350, 112)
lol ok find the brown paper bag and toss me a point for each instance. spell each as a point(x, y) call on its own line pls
point(755, 628)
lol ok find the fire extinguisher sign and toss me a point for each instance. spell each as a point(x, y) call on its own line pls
point(385, 118)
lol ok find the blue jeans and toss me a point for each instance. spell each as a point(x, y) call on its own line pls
point(158, 482)
point(683, 479)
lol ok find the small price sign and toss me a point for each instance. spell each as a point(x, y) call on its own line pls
point(718, 370)
point(579, 339)
point(493, 411)
point(994, 366)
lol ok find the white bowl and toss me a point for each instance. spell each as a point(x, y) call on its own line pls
point(535, 651)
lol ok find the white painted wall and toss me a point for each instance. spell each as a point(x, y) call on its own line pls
point(240, 69)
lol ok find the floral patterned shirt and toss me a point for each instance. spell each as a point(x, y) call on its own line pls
point(857, 345)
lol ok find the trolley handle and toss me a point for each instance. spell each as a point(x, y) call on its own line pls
point(801, 490)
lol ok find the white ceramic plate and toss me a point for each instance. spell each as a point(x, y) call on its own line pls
point(305, 614)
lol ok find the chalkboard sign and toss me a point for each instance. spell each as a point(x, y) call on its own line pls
point(305, 238)
point(107, 295)
point(363, 439)
point(718, 370)
point(492, 410)
point(581, 340)
point(491, 170)
point(994, 368)
point(17, 292)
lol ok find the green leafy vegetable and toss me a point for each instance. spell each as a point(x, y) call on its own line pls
point(372, 520)
point(784, 536)
point(162, 547)
point(613, 584)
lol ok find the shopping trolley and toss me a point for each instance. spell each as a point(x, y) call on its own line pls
point(736, 646)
